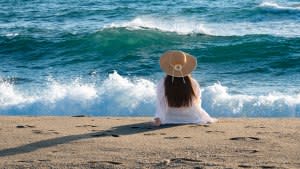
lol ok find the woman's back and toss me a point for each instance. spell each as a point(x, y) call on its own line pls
point(184, 114)
point(179, 91)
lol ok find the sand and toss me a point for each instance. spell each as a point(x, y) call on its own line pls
point(103, 142)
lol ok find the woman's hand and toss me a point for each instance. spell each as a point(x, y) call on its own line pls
point(156, 122)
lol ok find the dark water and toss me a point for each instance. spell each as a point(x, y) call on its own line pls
point(101, 57)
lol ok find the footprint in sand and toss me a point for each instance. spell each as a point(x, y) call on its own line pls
point(245, 166)
point(267, 166)
point(25, 126)
point(44, 160)
point(180, 160)
point(244, 138)
point(255, 127)
point(150, 134)
point(109, 162)
point(187, 137)
point(37, 131)
point(247, 151)
point(25, 161)
point(275, 132)
point(174, 137)
point(20, 126)
point(113, 162)
point(53, 131)
point(216, 131)
point(184, 160)
point(41, 132)
point(190, 161)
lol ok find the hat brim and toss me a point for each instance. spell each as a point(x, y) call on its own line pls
point(188, 67)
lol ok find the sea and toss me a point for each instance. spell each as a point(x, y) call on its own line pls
point(101, 57)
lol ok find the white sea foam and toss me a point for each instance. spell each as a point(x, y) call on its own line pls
point(276, 6)
point(120, 96)
point(11, 35)
point(116, 95)
point(184, 27)
point(9, 96)
point(177, 25)
point(219, 101)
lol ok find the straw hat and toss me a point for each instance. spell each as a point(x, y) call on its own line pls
point(177, 63)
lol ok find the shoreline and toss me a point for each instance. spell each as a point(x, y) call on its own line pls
point(131, 142)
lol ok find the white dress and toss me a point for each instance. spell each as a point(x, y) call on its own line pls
point(172, 115)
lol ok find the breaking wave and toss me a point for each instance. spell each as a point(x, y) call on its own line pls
point(185, 27)
point(276, 6)
point(121, 96)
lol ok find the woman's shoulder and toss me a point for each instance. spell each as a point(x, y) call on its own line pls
point(194, 82)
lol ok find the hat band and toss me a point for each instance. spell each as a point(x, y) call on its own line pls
point(177, 67)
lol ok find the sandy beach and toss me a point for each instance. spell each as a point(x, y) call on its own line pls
point(104, 142)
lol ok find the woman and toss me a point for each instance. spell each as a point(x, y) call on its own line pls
point(178, 94)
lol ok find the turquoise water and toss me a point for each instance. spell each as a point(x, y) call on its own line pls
point(101, 57)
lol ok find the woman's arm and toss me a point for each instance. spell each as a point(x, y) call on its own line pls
point(196, 88)
point(160, 101)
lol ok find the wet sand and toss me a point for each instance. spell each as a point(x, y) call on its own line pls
point(103, 142)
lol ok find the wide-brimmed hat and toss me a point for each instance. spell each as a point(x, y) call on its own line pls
point(177, 63)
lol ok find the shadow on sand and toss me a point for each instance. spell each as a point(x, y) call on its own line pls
point(114, 132)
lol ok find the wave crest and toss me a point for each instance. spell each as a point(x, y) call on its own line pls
point(185, 27)
point(273, 5)
point(179, 26)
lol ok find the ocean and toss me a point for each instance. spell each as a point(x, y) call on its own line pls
point(101, 57)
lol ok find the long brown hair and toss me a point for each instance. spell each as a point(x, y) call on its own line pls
point(179, 92)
